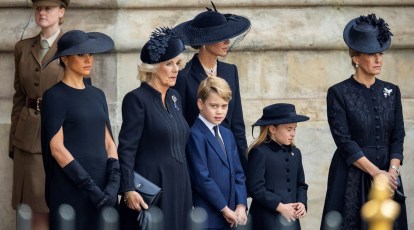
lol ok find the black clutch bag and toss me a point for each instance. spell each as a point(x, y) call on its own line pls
point(148, 190)
point(398, 194)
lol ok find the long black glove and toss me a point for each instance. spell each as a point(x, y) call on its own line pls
point(83, 180)
point(114, 177)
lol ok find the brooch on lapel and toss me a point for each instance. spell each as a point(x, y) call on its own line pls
point(174, 99)
point(387, 92)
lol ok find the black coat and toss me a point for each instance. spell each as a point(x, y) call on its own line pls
point(152, 142)
point(187, 85)
point(364, 122)
point(274, 175)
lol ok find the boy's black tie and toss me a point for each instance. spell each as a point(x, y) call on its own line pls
point(218, 138)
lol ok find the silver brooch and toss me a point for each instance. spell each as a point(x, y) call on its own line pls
point(387, 92)
point(292, 153)
point(174, 99)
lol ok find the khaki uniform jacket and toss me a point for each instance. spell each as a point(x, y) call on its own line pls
point(30, 81)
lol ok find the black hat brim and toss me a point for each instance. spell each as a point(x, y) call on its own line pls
point(287, 120)
point(367, 46)
point(96, 43)
point(192, 36)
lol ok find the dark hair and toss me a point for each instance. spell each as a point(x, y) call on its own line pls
point(196, 47)
point(61, 63)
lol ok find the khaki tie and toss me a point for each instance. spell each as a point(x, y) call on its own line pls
point(44, 48)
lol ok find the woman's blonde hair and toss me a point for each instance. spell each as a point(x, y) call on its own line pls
point(146, 71)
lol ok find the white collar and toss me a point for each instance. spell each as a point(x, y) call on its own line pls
point(209, 125)
point(52, 38)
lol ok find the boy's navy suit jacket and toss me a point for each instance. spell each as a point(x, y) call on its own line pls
point(217, 178)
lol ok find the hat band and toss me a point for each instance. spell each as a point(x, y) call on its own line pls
point(286, 115)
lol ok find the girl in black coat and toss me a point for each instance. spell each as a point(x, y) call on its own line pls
point(275, 176)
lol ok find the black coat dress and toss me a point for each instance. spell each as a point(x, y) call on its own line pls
point(364, 122)
point(187, 84)
point(152, 142)
point(83, 115)
point(274, 175)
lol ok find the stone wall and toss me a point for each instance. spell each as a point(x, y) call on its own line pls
point(293, 53)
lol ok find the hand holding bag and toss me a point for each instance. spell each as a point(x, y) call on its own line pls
point(148, 190)
point(398, 194)
point(150, 193)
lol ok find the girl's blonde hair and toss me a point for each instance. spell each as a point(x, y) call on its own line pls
point(264, 136)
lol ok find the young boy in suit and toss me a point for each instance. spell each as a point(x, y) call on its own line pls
point(216, 174)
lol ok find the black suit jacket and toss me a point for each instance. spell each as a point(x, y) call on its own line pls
point(187, 85)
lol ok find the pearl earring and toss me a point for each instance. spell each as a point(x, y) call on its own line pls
point(356, 65)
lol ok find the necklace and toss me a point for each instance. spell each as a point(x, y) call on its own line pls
point(210, 71)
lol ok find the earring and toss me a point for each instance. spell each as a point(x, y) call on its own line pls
point(204, 47)
point(356, 65)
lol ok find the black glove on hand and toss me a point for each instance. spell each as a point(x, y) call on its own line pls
point(114, 178)
point(83, 180)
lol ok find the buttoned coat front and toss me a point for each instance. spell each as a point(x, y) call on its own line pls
point(217, 178)
point(30, 81)
point(274, 175)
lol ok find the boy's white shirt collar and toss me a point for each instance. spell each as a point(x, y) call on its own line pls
point(208, 124)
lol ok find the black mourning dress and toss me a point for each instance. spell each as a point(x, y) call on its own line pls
point(364, 122)
point(83, 115)
point(152, 142)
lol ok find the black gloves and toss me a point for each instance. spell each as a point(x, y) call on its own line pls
point(114, 177)
point(83, 180)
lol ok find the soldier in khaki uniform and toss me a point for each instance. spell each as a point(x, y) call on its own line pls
point(30, 81)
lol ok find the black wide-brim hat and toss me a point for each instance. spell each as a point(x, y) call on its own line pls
point(280, 113)
point(367, 34)
point(212, 27)
point(78, 42)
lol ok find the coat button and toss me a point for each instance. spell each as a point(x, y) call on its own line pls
point(288, 180)
point(377, 137)
point(287, 170)
point(376, 117)
point(37, 69)
point(36, 84)
point(287, 159)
